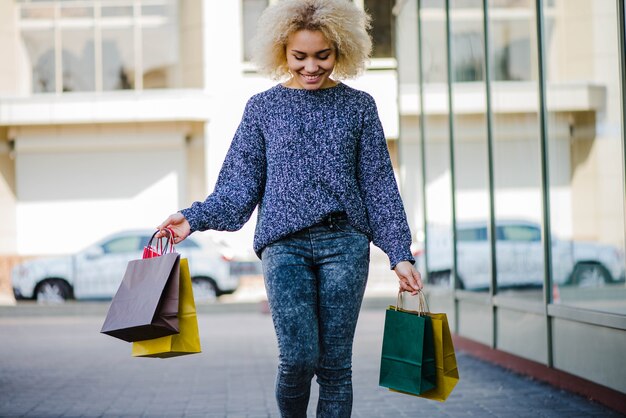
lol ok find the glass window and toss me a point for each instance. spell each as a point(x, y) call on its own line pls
point(470, 145)
point(407, 46)
point(116, 11)
point(78, 60)
point(434, 43)
point(516, 147)
point(251, 10)
point(469, 54)
point(523, 233)
point(187, 243)
point(465, 234)
point(155, 10)
point(125, 41)
point(39, 45)
point(118, 59)
point(511, 42)
point(160, 50)
point(122, 245)
point(76, 12)
point(382, 26)
point(586, 157)
point(409, 141)
point(437, 148)
point(36, 11)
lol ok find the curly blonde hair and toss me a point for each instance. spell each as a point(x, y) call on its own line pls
point(342, 23)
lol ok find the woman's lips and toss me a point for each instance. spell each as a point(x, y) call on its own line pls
point(311, 78)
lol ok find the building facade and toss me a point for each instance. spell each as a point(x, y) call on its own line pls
point(116, 113)
point(512, 170)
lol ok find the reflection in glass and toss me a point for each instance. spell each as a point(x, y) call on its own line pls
point(160, 51)
point(470, 142)
point(409, 141)
point(116, 11)
point(434, 44)
point(382, 26)
point(437, 147)
point(156, 59)
point(77, 60)
point(511, 40)
point(251, 10)
point(585, 159)
point(35, 11)
point(118, 59)
point(155, 9)
point(39, 45)
point(74, 12)
point(516, 141)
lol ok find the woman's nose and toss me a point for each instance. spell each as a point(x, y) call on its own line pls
point(311, 66)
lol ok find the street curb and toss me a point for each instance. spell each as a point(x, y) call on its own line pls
point(100, 308)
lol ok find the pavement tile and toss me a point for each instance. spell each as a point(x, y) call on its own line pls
point(82, 373)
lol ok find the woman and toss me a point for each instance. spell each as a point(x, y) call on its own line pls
point(311, 153)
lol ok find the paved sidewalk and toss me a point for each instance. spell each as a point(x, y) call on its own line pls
point(60, 366)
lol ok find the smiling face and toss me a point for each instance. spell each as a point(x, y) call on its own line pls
point(311, 59)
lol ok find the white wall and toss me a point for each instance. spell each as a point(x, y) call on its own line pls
point(8, 48)
point(76, 184)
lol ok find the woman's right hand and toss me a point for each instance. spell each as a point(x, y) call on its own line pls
point(177, 224)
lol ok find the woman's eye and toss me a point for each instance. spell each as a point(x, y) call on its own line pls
point(298, 58)
point(324, 57)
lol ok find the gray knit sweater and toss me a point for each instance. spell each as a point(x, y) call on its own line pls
point(300, 155)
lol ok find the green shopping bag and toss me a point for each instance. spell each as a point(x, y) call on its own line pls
point(408, 354)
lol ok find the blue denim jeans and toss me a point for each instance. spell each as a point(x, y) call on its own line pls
point(315, 279)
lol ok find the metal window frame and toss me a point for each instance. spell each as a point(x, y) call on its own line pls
point(455, 276)
point(491, 229)
point(546, 236)
point(422, 119)
point(621, 42)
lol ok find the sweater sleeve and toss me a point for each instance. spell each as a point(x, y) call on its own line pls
point(240, 182)
point(379, 189)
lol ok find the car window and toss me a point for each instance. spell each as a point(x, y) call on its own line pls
point(122, 245)
point(472, 234)
point(187, 243)
point(519, 233)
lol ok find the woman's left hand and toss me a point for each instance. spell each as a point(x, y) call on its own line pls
point(410, 278)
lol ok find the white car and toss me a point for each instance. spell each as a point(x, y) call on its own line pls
point(97, 271)
point(519, 257)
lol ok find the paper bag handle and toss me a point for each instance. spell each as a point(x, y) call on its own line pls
point(422, 304)
point(169, 243)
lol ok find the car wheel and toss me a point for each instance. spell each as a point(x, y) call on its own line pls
point(590, 275)
point(204, 289)
point(53, 291)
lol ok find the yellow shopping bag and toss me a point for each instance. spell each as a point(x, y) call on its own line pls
point(188, 340)
point(447, 373)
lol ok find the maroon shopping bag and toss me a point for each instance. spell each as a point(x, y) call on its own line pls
point(146, 303)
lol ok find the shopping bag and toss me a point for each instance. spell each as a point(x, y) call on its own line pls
point(445, 359)
point(407, 358)
point(188, 340)
point(447, 373)
point(145, 305)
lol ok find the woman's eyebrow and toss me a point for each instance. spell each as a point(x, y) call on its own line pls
point(318, 52)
